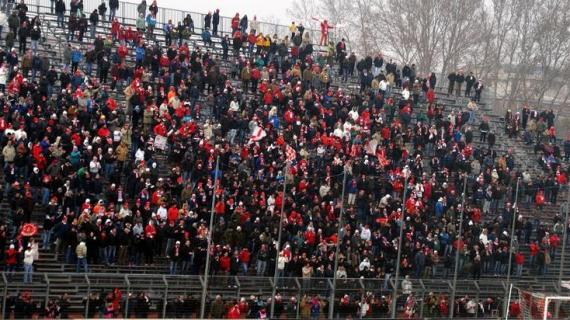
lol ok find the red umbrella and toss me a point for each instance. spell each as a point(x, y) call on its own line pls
point(29, 229)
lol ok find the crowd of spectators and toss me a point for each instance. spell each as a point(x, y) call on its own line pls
point(85, 142)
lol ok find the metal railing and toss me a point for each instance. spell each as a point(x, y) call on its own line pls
point(128, 13)
point(163, 289)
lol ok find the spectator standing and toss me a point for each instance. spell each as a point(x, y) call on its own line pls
point(23, 34)
point(81, 253)
point(175, 256)
point(3, 22)
point(141, 8)
point(519, 261)
point(459, 79)
point(13, 22)
point(28, 264)
point(94, 20)
point(215, 22)
point(113, 7)
point(451, 82)
point(102, 8)
point(11, 260)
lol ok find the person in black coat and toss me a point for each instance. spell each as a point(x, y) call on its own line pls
point(459, 78)
point(208, 21)
point(215, 22)
point(451, 85)
point(142, 306)
point(60, 11)
point(469, 82)
point(113, 6)
point(23, 34)
point(432, 80)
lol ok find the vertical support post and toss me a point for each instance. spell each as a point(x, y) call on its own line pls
point(511, 251)
point(165, 302)
point(238, 285)
point(299, 297)
point(47, 290)
point(123, 12)
point(5, 297)
point(423, 298)
point(563, 253)
point(397, 278)
point(126, 313)
point(337, 245)
point(207, 269)
point(279, 235)
point(508, 301)
point(459, 241)
point(86, 312)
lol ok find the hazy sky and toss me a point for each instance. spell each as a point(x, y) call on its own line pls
point(274, 10)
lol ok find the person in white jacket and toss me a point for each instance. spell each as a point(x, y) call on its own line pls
point(28, 264)
point(3, 77)
point(3, 22)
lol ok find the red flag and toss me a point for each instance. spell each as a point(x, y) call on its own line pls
point(290, 153)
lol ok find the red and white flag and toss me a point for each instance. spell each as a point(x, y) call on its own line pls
point(258, 134)
point(290, 153)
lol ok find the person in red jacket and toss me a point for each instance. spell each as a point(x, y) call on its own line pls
point(234, 312)
point(533, 252)
point(235, 23)
point(172, 213)
point(225, 262)
point(554, 243)
point(244, 258)
point(115, 28)
point(160, 129)
point(11, 260)
point(325, 27)
point(519, 261)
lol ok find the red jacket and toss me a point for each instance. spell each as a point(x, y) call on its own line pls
point(115, 27)
point(310, 237)
point(123, 51)
point(235, 23)
point(172, 213)
point(150, 231)
point(533, 249)
point(225, 263)
point(554, 241)
point(11, 257)
point(519, 258)
point(244, 256)
point(234, 312)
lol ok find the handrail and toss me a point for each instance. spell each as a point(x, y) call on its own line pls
point(128, 296)
point(5, 281)
point(46, 278)
point(165, 302)
point(129, 12)
point(423, 297)
point(478, 289)
point(88, 296)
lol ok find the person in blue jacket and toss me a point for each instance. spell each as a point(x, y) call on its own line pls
point(207, 37)
point(75, 58)
point(139, 55)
